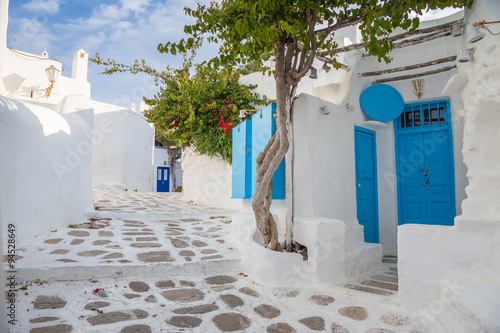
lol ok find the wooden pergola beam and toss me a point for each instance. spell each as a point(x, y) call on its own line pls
point(407, 68)
point(439, 28)
point(412, 76)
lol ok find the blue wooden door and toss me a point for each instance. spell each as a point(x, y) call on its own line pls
point(163, 179)
point(424, 161)
point(366, 182)
point(242, 161)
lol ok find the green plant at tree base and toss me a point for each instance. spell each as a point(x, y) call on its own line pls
point(198, 109)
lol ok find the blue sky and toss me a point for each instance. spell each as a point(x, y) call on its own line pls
point(123, 30)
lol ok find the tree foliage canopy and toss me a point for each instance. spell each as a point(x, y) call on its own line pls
point(200, 107)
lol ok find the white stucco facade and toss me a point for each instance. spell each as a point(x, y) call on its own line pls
point(55, 143)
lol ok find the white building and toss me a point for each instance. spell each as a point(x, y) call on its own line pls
point(55, 142)
point(431, 174)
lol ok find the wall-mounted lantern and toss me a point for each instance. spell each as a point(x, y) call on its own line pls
point(52, 72)
point(418, 87)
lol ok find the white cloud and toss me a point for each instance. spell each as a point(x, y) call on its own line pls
point(47, 6)
point(30, 35)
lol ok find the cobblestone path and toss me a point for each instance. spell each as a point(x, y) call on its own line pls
point(150, 262)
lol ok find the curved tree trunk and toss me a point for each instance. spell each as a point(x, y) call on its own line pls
point(269, 160)
point(171, 163)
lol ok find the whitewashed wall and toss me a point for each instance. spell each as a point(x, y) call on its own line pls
point(324, 157)
point(122, 151)
point(449, 275)
point(206, 179)
point(45, 166)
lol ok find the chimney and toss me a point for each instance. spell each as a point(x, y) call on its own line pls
point(80, 65)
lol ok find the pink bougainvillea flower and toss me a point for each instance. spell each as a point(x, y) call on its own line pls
point(96, 290)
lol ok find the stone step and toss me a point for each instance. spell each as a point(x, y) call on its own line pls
point(79, 273)
point(390, 260)
point(382, 285)
point(384, 278)
point(365, 289)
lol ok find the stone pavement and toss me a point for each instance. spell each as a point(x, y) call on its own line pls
point(150, 262)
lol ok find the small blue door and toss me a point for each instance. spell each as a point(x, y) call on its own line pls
point(424, 160)
point(366, 182)
point(163, 179)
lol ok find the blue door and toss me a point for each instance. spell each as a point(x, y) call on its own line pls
point(424, 160)
point(163, 179)
point(366, 182)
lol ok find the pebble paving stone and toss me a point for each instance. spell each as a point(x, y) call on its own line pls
point(91, 253)
point(109, 318)
point(166, 284)
point(187, 253)
point(77, 241)
point(354, 312)
point(145, 244)
point(131, 296)
point(208, 251)
point(280, 328)
point(394, 319)
point(42, 319)
point(141, 314)
point(249, 291)
point(52, 329)
point(59, 251)
point(267, 311)
point(150, 299)
point(115, 255)
point(53, 241)
point(100, 242)
point(199, 243)
point(336, 328)
point(184, 321)
point(179, 243)
point(155, 256)
point(79, 233)
point(229, 322)
point(66, 260)
point(322, 300)
point(314, 323)
point(187, 283)
point(136, 329)
point(96, 305)
point(183, 295)
point(49, 302)
point(232, 301)
point(220, 279)
point(198, 309)
point(138, 286)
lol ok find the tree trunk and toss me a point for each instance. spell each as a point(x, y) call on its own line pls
point(171, 163)
point(269, 160)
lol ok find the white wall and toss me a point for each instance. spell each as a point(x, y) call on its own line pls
point(122, 150)
point(451, 274)
point(207, 180)
point(45, 171)
point(324, 155)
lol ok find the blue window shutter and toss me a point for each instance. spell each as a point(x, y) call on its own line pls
point(241, 161)
point(263, 128)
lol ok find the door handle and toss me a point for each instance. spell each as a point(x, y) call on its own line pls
point(426, 182)
point(425, 172)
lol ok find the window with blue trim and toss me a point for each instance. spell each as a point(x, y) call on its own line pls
point(423, 115)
